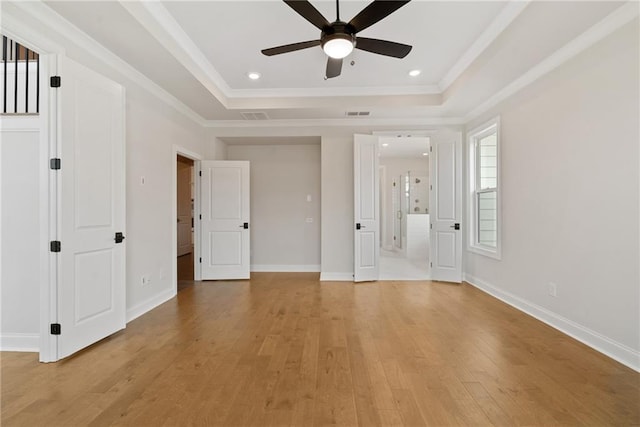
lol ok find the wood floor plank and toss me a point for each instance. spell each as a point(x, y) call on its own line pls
point(286, 349)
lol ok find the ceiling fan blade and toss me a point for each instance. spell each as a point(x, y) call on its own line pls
point(383, 47)
point(308, 12)
point(290, 47)
point(334, 67)
point(374, 12)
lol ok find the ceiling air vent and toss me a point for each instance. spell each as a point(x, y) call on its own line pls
point(254, 115)
point(357, 113)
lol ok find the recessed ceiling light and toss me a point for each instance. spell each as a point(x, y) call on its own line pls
point(253, 75)
point(425, 154)
point(386, 144)
point(414, 73)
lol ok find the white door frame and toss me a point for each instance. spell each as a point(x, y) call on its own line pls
point(30, 37)
point(178, 150)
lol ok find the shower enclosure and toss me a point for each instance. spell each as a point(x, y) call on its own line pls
point(410, 196)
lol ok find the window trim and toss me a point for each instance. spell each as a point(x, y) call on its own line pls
point(473, 136)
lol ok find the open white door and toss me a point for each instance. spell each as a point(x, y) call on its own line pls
point(445, 203)
point(366, 184)
point(91, 279)
point(224, 226)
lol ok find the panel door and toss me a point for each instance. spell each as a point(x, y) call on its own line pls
point(366, 208)
point(446, 207)
point(91, 281)
point(225, 233)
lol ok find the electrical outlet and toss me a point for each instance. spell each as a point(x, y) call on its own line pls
point(553, 289)
point(146, 279)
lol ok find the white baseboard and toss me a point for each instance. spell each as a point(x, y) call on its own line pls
point(20, 342)
point(336, 277)
point(615, 350)
point(150, 304)
point(286, 268)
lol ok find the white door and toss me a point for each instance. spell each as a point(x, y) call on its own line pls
point(446, 207)
point(366, 208)
point(91, 280)
point(184, 200)
point(224, 226)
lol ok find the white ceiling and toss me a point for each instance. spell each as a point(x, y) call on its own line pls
point(404, 147)
point(201, 51)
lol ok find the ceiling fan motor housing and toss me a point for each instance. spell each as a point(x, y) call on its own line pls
point(338, 30)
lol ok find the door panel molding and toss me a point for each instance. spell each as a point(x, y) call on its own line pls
point(225, 209)
point(445, 205)
point(366, 196)
point(91, 210)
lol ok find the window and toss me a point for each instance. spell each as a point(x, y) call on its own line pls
point(484, 189)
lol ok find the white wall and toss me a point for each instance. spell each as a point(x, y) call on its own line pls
point(337, 208)
point(282, 176)
point(152, 129)
point(216, 149)
point(570, 198)
point(20, 228)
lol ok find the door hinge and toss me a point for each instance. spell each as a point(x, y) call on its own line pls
point(55, 163)
point(56, 329)
point(199, 173)
point(199, 216)
point(430, 264)
point(430, 187)
point(200, 260)
point(431, 149)
point(55, 246)
point(431, 226)
point(55, 81)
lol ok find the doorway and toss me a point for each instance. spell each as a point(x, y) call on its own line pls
point(185, 195)
point(404, 208)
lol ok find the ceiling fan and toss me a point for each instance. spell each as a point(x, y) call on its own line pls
point(338, 38)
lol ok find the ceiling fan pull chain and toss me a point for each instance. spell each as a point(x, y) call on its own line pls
point(337, 10)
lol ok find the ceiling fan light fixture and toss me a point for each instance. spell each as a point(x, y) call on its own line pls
point(338, 45)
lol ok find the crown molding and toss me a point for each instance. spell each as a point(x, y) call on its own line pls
point(508, 14)
point(51, 19)
point(18, 30)
point(320, 92)
point(348, 102)
point(615, 20)
point(157, 20)
point(326, 123)
point(22, 28)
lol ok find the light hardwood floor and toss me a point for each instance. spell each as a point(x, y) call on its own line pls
point(286, 349)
